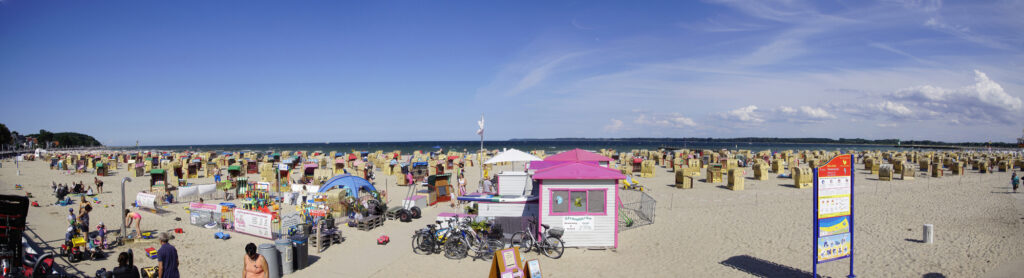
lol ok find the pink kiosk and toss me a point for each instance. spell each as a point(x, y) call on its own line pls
point(583, 199)
point(579, 155)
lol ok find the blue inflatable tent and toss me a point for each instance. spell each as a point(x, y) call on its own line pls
point(347, 182)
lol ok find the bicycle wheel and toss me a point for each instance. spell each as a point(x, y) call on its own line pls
point(492, 245)
point(456, 248)
point(523, 241)
point(417, 244)
point(553, 248)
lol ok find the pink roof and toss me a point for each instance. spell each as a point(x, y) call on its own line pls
point(578, 171)
point(577, 155)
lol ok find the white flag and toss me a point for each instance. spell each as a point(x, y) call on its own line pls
point(481, 124)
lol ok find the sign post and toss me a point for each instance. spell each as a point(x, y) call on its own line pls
point(833, 212)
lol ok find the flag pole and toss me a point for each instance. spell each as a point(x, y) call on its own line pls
point(480, 156)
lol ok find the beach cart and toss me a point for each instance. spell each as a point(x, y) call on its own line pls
point(420, 170)
point(157, 175)
point(101, 169)
point(235, 171)
point(193, 168)
point(251, 167)
point(439, 189)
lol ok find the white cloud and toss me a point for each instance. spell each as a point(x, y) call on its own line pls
point(892, 109)
point(746, 114)
point(965, 33)
point(815, 113)
point(802, 114)
point(522, 76)
point(614, 126)
point(985, 100)
point(675, 120)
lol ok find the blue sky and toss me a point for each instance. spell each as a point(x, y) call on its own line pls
point(215, 72)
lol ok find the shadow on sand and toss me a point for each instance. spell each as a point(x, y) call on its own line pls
point(762, 268)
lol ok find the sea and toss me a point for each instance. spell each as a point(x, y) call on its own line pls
point(549, 146)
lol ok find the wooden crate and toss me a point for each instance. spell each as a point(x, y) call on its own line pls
point(685, 183)
point(736, 179)
point(885, 172)
point(761, 171)
point(714, 175)
point(370, 222)
point(803, 177)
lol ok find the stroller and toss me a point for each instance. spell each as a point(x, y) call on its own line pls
point(17, 258)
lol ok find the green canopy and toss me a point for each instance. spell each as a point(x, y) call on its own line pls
point(156, 171)
point(99, 164)
point(234, 168)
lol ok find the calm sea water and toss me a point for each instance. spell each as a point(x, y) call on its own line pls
point(552, 146)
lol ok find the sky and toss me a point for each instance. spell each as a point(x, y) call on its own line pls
point(225, 72)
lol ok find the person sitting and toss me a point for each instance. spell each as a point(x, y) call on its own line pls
point(125, 268)
point(90, 192)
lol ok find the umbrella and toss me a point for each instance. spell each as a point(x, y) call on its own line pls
point(512, 155)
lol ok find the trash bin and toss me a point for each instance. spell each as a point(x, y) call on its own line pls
point(301, 249)
point(284, 246)
point(270, 253)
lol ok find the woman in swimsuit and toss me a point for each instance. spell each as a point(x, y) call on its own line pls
point(130, 217)
point(255, 266)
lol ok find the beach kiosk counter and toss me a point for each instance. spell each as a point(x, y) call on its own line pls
point(581, 198)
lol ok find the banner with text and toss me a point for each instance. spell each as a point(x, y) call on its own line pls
point(253, 223)
point(833, 210)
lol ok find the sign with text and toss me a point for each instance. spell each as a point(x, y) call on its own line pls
point(146, 200)
point(578, 223)
point(833, 211)
point(253, 223)
point(204, 207)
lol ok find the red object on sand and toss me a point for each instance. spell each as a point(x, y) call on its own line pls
point(178, 230)
point(383, 240)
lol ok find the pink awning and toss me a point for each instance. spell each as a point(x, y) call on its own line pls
point(578, 171)
point(577, 155)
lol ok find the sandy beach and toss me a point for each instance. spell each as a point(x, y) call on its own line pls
point(707, 231)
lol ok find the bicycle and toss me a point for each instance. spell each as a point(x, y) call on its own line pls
point(550, 243)
point(429, 240)
point(466, 239)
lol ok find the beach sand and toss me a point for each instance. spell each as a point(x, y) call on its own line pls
point(708, 231)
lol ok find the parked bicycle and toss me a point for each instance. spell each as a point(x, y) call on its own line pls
point(429, 240)
point(550, 242)
point(464, 239)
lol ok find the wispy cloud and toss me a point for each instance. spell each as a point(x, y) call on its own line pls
point(521, 76)
point(746, 114)
point(615, 126)
point(889, 48)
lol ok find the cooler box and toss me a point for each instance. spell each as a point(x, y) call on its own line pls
point(415, 201)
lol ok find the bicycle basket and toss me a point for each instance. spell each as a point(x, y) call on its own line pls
point(556, 232)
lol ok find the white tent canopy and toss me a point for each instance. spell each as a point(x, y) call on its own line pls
point(512, 155)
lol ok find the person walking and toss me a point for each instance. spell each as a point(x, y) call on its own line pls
point(253, 264)
point(1015, 181)
point(168, 258)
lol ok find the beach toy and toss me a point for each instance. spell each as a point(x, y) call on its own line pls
point(151, 252)
point(18, 186)
point(221, 235)
point(178, 230)
point(35, 204)
point(383, 240)
point(148, 235)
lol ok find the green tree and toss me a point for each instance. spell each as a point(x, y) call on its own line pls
point(44, 136)
point(5, 135)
